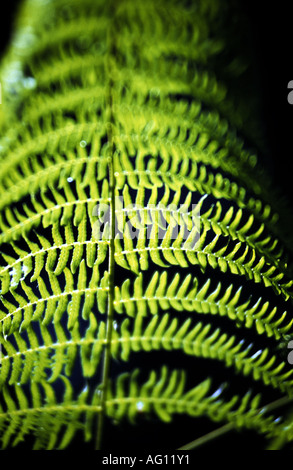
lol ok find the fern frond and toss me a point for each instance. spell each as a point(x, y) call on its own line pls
point(44, 356)
point(53, 423)
point(166, 395)
point(50, 306)
point(137, 227)
point(200, 340)
point(194, 251)
point(162, 294)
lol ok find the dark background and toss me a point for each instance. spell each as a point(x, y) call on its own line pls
point(271, 25)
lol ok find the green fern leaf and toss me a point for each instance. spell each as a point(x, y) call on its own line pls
point(145, 271)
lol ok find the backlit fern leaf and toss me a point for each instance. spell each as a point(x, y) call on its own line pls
point(180, 296)
point(144, 269)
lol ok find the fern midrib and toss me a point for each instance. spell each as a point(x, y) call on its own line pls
point(106, 339)
point(111, 264)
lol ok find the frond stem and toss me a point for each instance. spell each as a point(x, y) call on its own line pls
point(230, 426)
point(111, 294)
